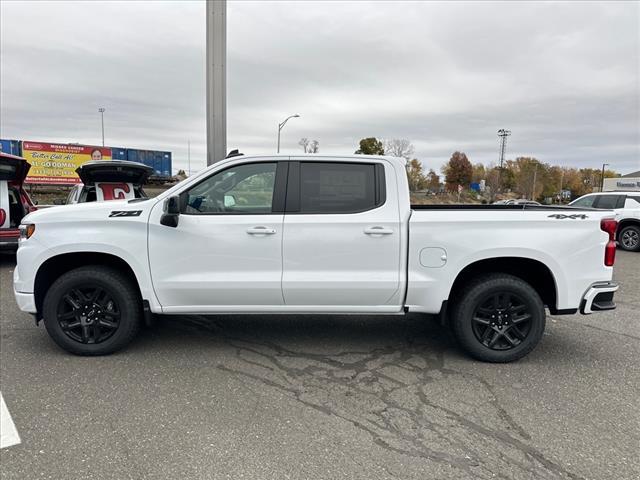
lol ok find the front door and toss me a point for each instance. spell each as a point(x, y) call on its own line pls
point(226, 252)
point(342, 237)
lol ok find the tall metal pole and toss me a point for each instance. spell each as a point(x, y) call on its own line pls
point(101, 110)
point(279, 128)
point(216, 80)
point(280, 125)
point(189, 157)
point(602, 177)
point(503, 134)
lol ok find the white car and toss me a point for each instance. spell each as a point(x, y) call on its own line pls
point(104, 180)
point(626, 206)
point(311, 234)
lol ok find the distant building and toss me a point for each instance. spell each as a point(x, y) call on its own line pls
point(629, 182)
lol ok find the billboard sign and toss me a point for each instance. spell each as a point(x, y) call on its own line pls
point(56, 163)
point(630, 184)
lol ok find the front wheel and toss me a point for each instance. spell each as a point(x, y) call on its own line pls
point(92, 310)
point(629, 238)
point(498, 318)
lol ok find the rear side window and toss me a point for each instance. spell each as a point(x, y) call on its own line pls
point(609, 201)
point(632, 202)
point(585, 202)
point(340, 187)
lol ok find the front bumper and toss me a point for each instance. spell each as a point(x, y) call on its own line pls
point(26, 301)
point(598, 298)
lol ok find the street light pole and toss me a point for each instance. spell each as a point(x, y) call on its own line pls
point(216, 54)
point(101, 110)
point(280, 125)
point(602, 177)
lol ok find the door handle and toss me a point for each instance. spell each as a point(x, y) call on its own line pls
point(261, 230)
point(377, 230)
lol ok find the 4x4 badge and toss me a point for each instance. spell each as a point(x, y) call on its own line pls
point(574, 216)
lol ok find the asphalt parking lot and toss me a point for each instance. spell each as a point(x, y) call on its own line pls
point(317, 397)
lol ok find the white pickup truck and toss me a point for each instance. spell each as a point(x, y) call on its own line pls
point(311, 234)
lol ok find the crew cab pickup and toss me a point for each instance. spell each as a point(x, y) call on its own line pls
point(311, 234)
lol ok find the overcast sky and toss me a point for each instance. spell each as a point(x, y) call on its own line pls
point(564, 77)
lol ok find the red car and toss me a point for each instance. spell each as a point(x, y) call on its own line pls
point(14, 200)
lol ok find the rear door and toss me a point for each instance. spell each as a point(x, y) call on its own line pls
point(341, 244)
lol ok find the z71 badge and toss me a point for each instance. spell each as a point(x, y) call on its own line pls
point(562, 216)
point(125, 213)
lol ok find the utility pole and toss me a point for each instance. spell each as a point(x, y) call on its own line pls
point(216, 80)
point(101, 110)
point(602, 177)
point(503, 134)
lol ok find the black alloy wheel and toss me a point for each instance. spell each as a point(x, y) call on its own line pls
point(88, 314)
point(93, 310)
point(497, 317)
point(502, 321)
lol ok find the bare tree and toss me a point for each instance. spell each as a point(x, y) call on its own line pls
point(309, 146)
point(398, 147)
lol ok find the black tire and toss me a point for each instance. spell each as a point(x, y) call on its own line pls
point(113, 318)
point(486, 337)
point(629, 238)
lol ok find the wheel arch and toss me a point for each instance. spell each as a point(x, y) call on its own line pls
point(625, 222)
point(534, 272)
point(55, 266)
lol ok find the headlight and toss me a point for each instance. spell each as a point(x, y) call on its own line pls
point(26, 230)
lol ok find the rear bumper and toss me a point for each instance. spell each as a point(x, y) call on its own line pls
point(598, 298)
point(9, 239)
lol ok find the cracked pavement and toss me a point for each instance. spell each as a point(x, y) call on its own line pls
point(324, 397)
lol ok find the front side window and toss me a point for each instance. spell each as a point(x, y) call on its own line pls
point(585, 202)
point(243, 189)
point(337, 187)
point(607, 201)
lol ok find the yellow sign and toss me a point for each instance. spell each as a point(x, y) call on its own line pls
point(55, 164)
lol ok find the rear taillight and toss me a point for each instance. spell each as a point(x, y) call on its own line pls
point(609, 225)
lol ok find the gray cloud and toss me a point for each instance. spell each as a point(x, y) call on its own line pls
point(564, 77)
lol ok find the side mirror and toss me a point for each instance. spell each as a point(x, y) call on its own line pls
point(171, 212)
point(229, 201)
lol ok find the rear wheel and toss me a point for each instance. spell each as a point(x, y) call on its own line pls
point(92, 311)
point(629, 238)
point(498, 318)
